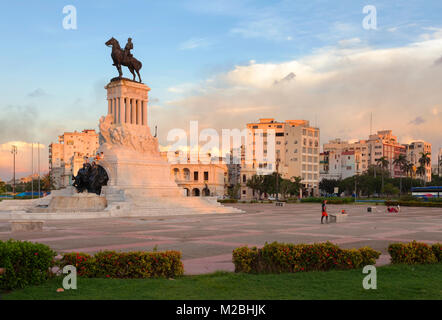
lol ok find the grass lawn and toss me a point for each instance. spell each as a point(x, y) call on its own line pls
point(393, 282)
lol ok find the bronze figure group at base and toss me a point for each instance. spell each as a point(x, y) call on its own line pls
point(90, 178)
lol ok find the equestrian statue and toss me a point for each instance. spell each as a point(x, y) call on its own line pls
point(124, 57)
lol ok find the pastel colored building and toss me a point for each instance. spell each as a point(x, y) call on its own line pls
point(68, 155)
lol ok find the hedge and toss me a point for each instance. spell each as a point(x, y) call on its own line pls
point(24, 263)
point(280, 257)
point(415, 253)
point(331, 200)
point(413, 203)
point(137, 264)
point(228, 201)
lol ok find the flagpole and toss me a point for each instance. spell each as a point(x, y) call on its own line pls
point(38, 169)
point(32, 171)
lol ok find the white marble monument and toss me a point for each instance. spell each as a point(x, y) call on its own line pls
point(140, 181)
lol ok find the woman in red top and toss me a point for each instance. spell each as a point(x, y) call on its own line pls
point(324, 212)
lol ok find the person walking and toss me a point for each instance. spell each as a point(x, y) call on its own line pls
point(324, 212)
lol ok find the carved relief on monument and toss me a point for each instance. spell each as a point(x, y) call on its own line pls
point(136, 138)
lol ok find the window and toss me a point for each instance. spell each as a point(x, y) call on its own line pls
point(244, 178)
point(244, 192)
point(195, 176)
point(206, 175)
point(280, 134)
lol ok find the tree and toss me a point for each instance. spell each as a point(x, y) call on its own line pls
point(2, 187)
point(390, 189)
point(400, 161)
point(256, 183)
point(421, 171)
point(424, 161)
point(233, 191)
point(328, 185)
point(47, 182)
point(290, 186)
point(383, 163)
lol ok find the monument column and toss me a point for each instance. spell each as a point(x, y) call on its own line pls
point(138, 104)
point(123, 110)
point(145, 112)
point(127, 101)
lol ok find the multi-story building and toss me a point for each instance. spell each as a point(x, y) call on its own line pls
point(204, 177)
point(414, 152)
point(292, 144)
point(68, 155)
point(368, 152)
point(340, 164)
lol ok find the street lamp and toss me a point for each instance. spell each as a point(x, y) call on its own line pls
point(14, 152)
point(278, 160)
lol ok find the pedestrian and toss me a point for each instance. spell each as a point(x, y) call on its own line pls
point(324, 212)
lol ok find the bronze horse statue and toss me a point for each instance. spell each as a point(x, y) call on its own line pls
point(120, 58)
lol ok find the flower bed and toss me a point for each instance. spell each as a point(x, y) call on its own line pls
point(415, 253)
point(281, 257)
point(137, 264)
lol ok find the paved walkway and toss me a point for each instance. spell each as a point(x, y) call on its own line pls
point(207, 241)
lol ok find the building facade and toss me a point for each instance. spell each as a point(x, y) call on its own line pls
point(203, 178)
point(414, 152)
point(368, 152)
point(292, 144)
point(68, 155)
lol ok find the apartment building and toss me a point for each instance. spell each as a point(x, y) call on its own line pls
point(68, 155)
point(292, 144)
point(414, 151)
point(368, 152)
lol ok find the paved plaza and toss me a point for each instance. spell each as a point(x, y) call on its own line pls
point(207, 240)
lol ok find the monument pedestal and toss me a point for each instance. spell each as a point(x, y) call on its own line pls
point(140, 180)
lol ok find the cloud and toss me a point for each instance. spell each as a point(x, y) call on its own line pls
point(438, 61)
point(23, 160)
point(37, 93)
point(18, 122)
point(291, 76)
point(340, 87)
point(349, 42)
point(194, 43)
point(417, 121)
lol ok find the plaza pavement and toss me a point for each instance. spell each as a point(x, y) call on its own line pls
point(207, 240)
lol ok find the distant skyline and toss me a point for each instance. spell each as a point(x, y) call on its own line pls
point(223, 63)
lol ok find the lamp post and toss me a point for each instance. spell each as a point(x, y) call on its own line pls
point(277, 174)
point(14, 152)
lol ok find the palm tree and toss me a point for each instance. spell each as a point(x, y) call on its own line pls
point(383, 163)
point(400, 161)
point(425, 161)
point(421, 171)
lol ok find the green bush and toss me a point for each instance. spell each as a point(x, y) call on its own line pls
point(24, 263)
point(331, 200)
point(280, 257)
point(437, 250)
point(137, 264)
point(412, 253)
point(228, 201)
point(431, 203)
